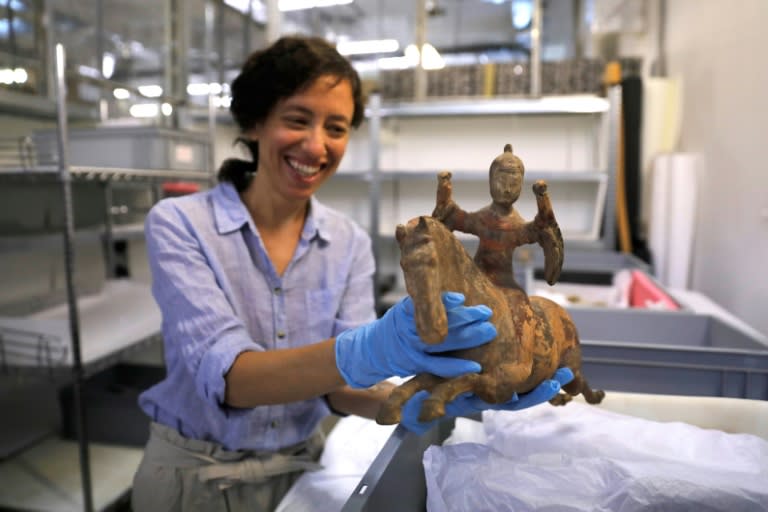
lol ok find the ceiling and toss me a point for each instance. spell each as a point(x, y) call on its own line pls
point(135, 32)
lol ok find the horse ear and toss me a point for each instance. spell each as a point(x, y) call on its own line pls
point(399, 232)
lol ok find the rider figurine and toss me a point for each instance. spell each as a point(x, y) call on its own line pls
point(499, 227)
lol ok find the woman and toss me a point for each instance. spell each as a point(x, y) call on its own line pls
point(267, 301)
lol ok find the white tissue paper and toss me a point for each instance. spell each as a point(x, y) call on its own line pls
point(583, 458)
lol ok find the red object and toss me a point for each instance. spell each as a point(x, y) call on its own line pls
point(180, 188)
point(644, 293)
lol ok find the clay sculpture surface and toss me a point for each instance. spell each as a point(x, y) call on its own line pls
point(535, 335)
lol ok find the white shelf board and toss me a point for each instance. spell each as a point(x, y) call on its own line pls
point(482, 175)
point(47, 476)
point(128, 231)
point(106, 173)
point(48, 240)
point(55, 239)
point(120, 316)
point(572, 104)
point(40, 105)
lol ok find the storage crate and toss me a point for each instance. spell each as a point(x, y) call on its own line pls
point(131, 147)
point(670, 352)
point(395, 480)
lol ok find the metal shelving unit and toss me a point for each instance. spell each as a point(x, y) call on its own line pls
point(86, 333)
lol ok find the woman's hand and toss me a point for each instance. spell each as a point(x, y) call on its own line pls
point(468, 403)
point(390, 346)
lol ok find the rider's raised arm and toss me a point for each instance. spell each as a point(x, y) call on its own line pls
point(546, 232)
point(446, 210)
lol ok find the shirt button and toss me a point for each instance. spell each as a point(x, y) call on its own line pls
point(274, 424)
point(277, 290)
point(281, 334)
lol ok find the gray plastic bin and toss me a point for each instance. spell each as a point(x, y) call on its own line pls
point(135, 147)
point(667, 352)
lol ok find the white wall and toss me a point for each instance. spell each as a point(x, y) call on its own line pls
point(717, 48)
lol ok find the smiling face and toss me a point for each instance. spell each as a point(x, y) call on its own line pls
point(303, 139)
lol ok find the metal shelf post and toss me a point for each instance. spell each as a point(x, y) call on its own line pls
point(69, 257)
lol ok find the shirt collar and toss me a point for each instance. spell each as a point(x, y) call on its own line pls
point(228, 210)
point(316, 224)
point(231, 214)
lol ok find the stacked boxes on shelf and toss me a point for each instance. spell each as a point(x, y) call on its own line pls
point(455, 81)
point(563, 77)
point(512, 79)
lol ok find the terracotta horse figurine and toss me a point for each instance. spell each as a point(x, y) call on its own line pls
point(535, 335)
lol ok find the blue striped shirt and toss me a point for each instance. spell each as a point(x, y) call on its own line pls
point(220, 295)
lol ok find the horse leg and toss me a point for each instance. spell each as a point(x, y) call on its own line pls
point(572, 359)
point(445, 392)
point(390, 411)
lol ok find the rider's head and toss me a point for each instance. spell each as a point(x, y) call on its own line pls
point(506, 177)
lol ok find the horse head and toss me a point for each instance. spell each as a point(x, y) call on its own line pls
point(419, 261)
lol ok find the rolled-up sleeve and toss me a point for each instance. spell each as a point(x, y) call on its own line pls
point(200, 326)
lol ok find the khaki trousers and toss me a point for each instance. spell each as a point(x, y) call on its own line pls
point(178, 474)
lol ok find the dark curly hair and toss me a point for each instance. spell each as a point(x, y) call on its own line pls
point(279, 71)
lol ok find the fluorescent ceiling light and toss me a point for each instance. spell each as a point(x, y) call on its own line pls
point(522, 14)
point(367, 46)
point(20, 75)
point(412, 55)
point(121, 94)
point(394, 63)
point(296, 5)
point(431, 58)
point(222, 101)
point(108, 65)
point(88, 71)
point(13, 76)
point(151, 91)
point(144, 110)
point(202, 89)
point(258, 9)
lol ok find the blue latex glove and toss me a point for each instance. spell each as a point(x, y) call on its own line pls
point(467, 404)
point(391, 346)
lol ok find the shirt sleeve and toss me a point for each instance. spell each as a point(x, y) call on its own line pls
point(200, 328)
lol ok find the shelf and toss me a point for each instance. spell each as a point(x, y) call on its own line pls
point(576, 104)
point(54, 240)
point(107, 173)
point(47, 240)
point(121, 318)
point(133, 231)
point(46, 477)
point(37, 105)
point(482, 175)
point(354, 176)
